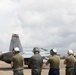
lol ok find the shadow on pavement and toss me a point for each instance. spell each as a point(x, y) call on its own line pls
point(5, 68)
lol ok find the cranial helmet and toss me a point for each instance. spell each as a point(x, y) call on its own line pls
point(16, 49)
point(70, 51)
point(53, 51)
point(36, 49)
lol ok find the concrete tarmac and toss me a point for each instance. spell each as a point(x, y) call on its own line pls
point(5, 69)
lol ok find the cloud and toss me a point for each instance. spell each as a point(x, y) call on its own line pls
point(42, 23)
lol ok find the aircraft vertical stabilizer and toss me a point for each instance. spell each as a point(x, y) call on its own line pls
point(15, 42)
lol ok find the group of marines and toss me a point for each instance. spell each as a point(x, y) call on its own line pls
point(54, 61)
point(36, 62)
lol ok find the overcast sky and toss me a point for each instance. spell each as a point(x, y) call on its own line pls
point(41, 23)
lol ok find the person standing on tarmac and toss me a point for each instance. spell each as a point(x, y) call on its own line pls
point(36, 62)
point(54, 62)
point(69, 62)
point(75, 68)
point(17, 62)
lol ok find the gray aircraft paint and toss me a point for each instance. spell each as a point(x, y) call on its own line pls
point(15, 42)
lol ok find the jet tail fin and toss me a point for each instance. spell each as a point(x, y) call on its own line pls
point(15, 42)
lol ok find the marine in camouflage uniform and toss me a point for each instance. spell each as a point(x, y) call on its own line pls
point(17, 62)
point(54, 62)
point(36, 62)
point(69, 62)
point(75, 68)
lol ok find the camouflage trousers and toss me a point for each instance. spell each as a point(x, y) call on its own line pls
point(74, 71)
point(69, 71)
point(36, 71)
point(18, 72)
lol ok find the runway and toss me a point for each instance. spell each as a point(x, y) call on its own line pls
point(5, 69)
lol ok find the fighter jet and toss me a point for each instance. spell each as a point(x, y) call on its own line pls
point(15, 42)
